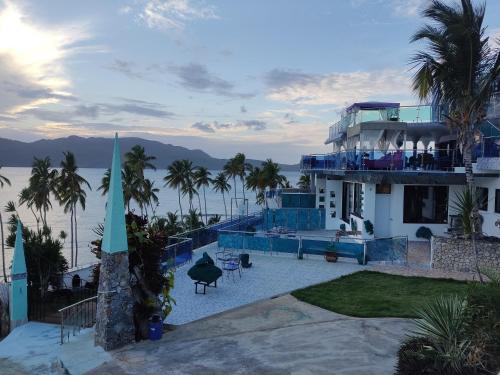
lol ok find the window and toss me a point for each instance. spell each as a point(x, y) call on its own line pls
point(497, 201)
point(482, 198)
point(425, 204)
point(383, 189)
point(321, 199)
point(352, 200)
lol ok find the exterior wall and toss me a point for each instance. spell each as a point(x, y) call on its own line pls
point(489, 216)
point(455, 254)
point(398, 228)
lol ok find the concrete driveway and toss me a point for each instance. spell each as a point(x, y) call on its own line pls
point(277, 336)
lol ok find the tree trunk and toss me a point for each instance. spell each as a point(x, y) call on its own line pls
point(72, 237)
point(180, 205)
point(224, 200)
point(469, 178)
point(235, 198)
point(205, 202)
point(3, 249)
point(243, 188)
point(201, 210)
point(76, 239)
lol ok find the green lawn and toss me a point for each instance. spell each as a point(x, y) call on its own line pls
point(371, 294)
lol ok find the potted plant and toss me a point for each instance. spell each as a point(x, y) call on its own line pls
point(331, 254)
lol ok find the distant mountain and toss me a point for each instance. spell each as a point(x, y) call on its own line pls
point(96, 152)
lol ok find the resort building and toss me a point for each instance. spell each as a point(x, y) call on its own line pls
point(394, 169)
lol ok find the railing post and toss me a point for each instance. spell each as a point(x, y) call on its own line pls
point(62, 326)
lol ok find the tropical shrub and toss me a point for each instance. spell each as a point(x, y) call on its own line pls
point(150, 286)
point(45, 262)
point(368, 227)
point(424, 232)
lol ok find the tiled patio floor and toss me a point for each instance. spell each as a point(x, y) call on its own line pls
point(270, 275)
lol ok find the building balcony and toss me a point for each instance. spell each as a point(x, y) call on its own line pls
point(377, 160)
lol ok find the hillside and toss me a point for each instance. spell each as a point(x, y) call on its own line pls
point(96, 152)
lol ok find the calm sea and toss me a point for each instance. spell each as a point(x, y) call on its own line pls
point(94, 212)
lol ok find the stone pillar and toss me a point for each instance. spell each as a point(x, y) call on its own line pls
point(114, 319)
point(18, 294)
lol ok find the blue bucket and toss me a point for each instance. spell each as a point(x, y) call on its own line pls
point(155, 328)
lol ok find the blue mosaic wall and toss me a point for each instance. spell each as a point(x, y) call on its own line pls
point(298, 200)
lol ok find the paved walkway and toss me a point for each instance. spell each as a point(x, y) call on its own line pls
point(270, 275)
point(277, 336)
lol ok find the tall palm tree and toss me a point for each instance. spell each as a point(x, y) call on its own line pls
point(149, 195)
point(131, 186)
point(3, 181)
point(202, 180)
point(175, 178)
point(221, 185)
point(458, 71)
point(172, 225)
point(70, 192)
point(105, 182)
point(232, 170)
point(242, 166)
point(271, 175)
point(254, 181)
point(139, 161)
point(42, 184)
point(304, 182)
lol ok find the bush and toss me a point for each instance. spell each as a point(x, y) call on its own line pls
point(424, 232)
point(368, 227)
point(412, 359)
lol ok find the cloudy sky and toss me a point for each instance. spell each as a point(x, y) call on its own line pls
point(262, 77)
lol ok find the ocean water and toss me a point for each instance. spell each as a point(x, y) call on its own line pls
point(94, 212)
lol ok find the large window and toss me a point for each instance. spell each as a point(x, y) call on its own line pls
point(352, 200)
point(482, 198)
point(497, 201)
point(425, 204)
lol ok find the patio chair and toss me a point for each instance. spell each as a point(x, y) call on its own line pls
point(231, 266)
point(245, 260)
point(223, 255)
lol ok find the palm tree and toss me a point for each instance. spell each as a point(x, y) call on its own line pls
point(271, 175)
point(221, 185)
point(70, 192)
point(139, 161)
point(131, 186)
point(231, 169)
point(3, 181)
point(241, 168)
point(172, 225)
point(304, 182)
point(188, 188)
point(105, 182)
point(42, 184)
point(192, 220)
point(458, 72)
point(254, 181)
point(175, 179)
point(148, 195)
point(26, 197)
point(202, 180)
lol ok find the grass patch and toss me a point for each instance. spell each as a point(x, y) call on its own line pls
point(369, 294)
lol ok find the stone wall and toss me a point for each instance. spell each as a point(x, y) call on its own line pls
point(453, 254)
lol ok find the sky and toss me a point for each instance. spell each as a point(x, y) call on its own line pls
point(261, 77)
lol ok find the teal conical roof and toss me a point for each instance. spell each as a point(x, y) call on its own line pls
point(18, 261)
point(114, 239)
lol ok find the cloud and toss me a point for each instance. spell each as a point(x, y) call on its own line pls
point(196, 77)
point(400, 8)
point(336, 88)
point(207, 128)
point(494, 38)
point(93, 111)
point(32, 59)
point(174, 14)
point(256, 125)
point(125, 67)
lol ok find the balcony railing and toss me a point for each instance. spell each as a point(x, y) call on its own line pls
point(394, 160)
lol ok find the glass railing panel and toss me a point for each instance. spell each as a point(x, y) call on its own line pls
point(415, 114)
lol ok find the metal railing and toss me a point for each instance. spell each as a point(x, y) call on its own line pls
point(77, 316)
point(389, 160)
